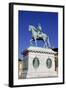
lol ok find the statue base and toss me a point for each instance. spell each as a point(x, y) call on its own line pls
point(40, 62)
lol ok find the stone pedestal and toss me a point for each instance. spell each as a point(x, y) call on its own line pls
point(40, 62)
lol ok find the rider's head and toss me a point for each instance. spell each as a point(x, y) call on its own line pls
point(39, 27)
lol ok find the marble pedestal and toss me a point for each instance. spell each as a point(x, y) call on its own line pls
point(41, 68)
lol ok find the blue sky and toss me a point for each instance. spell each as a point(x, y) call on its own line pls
point(48, 21)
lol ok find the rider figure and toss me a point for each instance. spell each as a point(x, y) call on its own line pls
point(39, 29)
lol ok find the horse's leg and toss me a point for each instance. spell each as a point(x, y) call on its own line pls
point(48, 42)
point(31, 42)
point(44, 40)
point(35, 42)
point(44, 43)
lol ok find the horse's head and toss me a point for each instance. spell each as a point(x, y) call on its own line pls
point(32, 28)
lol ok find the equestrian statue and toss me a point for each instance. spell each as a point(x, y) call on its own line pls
point(37, 34)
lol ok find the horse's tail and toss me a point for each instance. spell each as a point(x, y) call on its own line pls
point(49, 43)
